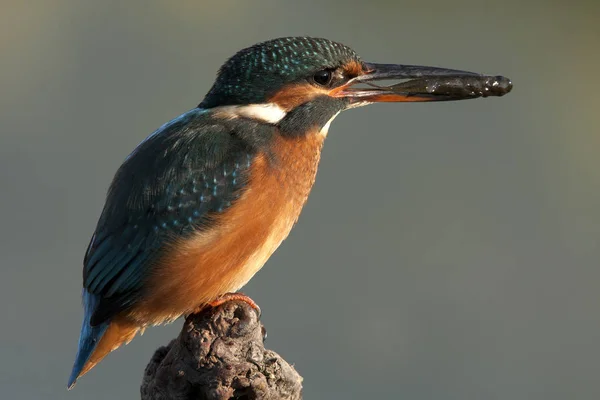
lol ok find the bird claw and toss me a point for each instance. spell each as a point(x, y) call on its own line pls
point(230, 297)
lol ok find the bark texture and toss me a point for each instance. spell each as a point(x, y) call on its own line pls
point(220, 355)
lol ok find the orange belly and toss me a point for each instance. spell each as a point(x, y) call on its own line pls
point(224, 258)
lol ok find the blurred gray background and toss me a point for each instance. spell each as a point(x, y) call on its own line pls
point(448, 251)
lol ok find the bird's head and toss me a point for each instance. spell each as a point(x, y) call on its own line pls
point(307, 81)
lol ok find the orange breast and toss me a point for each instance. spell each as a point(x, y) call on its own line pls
point(198, 270)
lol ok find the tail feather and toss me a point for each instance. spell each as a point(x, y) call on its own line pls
point(88, 338)
point(95, 342)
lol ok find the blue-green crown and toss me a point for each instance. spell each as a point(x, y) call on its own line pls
point(255, 73)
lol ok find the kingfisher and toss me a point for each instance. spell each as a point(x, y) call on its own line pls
point(200, 205)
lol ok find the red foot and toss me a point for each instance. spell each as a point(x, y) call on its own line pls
point(228, 297)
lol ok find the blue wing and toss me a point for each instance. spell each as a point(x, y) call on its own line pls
point(167, 188)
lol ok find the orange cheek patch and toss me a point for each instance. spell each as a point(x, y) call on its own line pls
point(292, 96)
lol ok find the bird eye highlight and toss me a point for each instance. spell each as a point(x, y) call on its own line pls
point(323, 77)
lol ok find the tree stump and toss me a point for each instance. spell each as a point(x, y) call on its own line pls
point(220, 355)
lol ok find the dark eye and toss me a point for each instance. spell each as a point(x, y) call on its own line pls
point(323, 77)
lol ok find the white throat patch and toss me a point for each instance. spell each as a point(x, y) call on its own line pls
point(270, 113)
point(325, 127)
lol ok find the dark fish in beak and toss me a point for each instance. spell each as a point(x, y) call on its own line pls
point(421, 84)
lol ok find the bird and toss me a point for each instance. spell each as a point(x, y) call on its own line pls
point(199, 206)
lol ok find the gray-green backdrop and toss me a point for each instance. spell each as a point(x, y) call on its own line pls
point(448, 251)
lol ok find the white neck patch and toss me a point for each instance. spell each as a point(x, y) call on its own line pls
point(270, 113)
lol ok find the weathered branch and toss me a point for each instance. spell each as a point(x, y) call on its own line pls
point(220, 355)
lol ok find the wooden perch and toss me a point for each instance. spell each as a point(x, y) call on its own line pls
point(220, 355)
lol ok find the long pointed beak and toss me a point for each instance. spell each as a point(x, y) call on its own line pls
point(421, 84)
